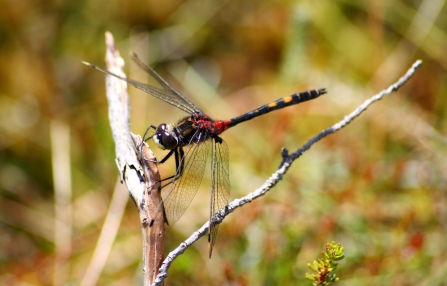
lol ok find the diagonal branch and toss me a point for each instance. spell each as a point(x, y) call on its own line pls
point(277, 176)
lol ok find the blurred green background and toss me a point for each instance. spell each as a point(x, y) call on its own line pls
point(378, 187)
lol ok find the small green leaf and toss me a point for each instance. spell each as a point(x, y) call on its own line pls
point(326, 265)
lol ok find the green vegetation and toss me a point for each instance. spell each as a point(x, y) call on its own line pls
point(325, 266)
point(377, 187)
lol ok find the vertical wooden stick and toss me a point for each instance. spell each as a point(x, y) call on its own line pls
point(138, 171)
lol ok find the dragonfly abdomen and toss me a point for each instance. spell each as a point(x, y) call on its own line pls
point(277, 104)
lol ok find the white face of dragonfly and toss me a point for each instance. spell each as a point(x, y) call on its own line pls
point(165, 137)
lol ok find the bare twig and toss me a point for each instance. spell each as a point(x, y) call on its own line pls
point(287, 159)
point(139, 181)
point(277, 176)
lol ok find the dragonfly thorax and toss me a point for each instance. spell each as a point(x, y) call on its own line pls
point(166, 137)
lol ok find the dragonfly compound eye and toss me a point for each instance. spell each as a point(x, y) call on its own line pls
point(165, 137)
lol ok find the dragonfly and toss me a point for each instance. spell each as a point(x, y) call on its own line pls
point(191, 140)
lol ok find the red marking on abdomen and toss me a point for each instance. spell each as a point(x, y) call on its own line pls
point(221, 125)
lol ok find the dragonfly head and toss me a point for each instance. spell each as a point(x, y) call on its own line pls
point(165, 137)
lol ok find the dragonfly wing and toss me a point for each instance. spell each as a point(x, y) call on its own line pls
point(161, 81)
point(220, 186)
point(170, 96)
point(185, 185)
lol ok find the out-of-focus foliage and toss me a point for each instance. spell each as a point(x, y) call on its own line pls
point(378, 187)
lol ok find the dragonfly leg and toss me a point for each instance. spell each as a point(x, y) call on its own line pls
point(179, 165)
point(140, 147)
point(168, 156)
point(147, 130)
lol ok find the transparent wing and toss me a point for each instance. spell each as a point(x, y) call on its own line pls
point(162, 82)
point(185, 185)
point(167, 95)
point(220, 186)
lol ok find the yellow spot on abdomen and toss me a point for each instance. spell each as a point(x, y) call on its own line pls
point(288, 99)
